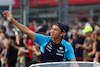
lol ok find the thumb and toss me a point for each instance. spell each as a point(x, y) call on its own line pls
point(10, 12)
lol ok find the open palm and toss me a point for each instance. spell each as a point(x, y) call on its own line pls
point(8, 15)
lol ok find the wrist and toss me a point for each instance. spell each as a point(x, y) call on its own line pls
point(12, 19)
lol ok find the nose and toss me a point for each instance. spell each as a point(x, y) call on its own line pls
point(52, 30)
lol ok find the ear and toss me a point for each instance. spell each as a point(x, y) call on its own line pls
point(62, 33)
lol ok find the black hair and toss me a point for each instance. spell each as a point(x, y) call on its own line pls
point(12, 37)
point(84, 20)
point(42, 30)
point(4, 29)
point(67, 29)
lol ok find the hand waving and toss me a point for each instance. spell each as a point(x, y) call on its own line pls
point(8, 15)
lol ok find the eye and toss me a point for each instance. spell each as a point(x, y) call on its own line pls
point(56, 29)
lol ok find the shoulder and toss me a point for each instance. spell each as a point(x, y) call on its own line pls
point(65, 43)
point(5, 40)
point(41, 35)
point(39, 38)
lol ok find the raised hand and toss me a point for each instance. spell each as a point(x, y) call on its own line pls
point(8, 15)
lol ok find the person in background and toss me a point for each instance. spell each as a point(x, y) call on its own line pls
point(92, 53)
point(88, 42)
point(95, 27)
point(5, 43)
point(12, 52)
point(97, 55)
point(21, 50)
point(77, 39)
point(98, 21)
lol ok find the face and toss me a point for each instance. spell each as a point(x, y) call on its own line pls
point(56, 32)
point(2, 35)
point(74, 33)
point(96, 36)
point(88, 34)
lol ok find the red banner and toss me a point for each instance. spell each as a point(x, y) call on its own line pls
point(33, 3)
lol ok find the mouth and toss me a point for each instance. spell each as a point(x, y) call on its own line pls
point(52, 34)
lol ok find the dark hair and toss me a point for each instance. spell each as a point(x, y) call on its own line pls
point(42, 30)
point(61, 26)
point(67, 29)
point(12, 37)
point(4, 29)
point(84, 20)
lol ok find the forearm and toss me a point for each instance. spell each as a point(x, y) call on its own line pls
point(24, 50)
point(17, 39)
point(28, 47)
point(23, 28)
point(81, 34)
point(38, 53)
point(15, 46)
point(91, 53)
point(88, 48)
point(74, 64)
point(97, 56)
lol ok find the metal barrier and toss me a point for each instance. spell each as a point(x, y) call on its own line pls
point(67, 64)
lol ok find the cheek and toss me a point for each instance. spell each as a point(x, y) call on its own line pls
point(2, 35)
point(58, 34)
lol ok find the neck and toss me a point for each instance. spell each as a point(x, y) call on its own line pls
point(56, 40)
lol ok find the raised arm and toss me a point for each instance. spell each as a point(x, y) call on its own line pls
point(23, 28)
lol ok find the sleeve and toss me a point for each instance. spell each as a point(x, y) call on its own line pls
point(40, 39)
point(91, 41)
point(70, 52)
point(85, 41)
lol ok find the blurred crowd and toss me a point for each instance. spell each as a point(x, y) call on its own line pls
point(18, 50)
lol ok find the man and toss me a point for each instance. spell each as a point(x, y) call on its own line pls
point(77, 39)
point(53, 48)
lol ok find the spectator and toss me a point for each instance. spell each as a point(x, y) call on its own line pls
point(88, 43)
point(77, 39)
point(95, 27)
point(92, 53)
point(5, 43)
point(12, 52)
point(97, 55)
point(98, 22)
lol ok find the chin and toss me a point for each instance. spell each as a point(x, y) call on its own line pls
point(52, 36)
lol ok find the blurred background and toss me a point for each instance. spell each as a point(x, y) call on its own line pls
point(51, 10)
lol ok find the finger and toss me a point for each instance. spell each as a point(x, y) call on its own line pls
point(10, 12)
point(6, 11)
point(4, 15)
